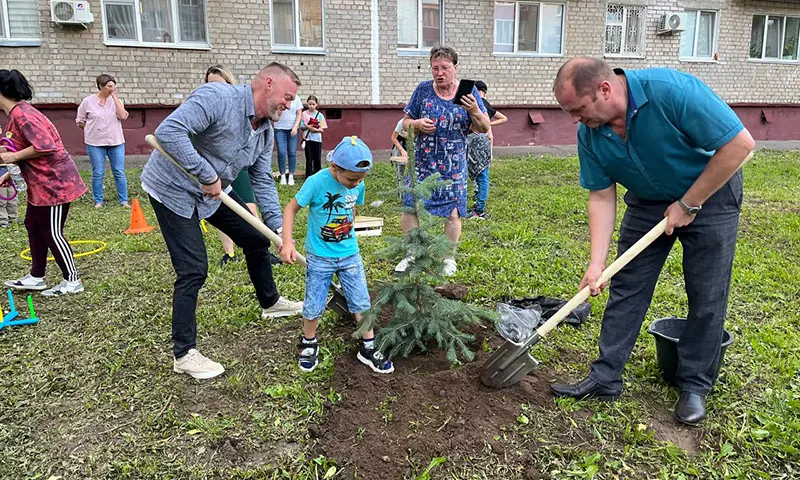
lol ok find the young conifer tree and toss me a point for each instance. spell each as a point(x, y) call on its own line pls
point(420, 316)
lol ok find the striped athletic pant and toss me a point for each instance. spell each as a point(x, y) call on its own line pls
point(46, 231)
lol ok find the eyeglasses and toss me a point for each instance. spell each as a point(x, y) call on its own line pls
point(444, 69)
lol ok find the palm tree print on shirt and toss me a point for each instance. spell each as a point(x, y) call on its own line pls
point(333, 204)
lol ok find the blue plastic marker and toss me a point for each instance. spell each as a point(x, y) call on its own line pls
point(12, 313)
point(7, 320)
point(11, 302)
point(27, 321)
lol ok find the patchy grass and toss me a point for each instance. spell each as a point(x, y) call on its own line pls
point(89, 392)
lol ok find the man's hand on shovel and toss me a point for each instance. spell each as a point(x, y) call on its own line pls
point(212, 190)
point(590, 279)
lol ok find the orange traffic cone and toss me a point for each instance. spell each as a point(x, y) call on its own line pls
point(138, 222)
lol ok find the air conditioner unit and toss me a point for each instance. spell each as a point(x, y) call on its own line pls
point(67, 12)
point(672, 23)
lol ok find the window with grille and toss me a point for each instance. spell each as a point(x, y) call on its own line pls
point(529, 28)
point(19, 21)
point(774, 37)
point(155, 22)
point(419, 24)
point(625, 30)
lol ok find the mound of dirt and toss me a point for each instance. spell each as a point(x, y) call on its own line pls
point(424, 409)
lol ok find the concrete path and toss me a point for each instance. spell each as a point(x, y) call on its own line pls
point(137, 161)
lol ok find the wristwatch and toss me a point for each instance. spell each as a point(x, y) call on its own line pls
point(689, 210)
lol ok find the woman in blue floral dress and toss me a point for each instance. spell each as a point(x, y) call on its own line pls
point(441, 144)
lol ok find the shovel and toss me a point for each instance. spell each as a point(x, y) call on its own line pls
point(337, 303)
point(512, 361)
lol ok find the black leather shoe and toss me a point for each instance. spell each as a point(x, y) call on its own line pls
point(584, 390)
point(690, 408)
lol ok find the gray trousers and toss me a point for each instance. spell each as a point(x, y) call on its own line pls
point(708, 248)
point(8, 208)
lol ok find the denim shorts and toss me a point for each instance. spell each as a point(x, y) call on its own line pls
point(319, 275)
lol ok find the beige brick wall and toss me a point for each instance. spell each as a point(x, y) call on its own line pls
point(64, 67)
point(528, 80)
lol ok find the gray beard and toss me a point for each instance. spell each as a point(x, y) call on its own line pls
point(275, 116)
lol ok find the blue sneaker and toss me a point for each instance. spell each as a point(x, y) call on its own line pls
point(375, 360)
point(308, 358)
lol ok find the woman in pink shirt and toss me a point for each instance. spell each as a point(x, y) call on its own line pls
point(100, 116)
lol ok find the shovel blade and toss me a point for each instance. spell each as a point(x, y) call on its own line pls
point(338, 303)
point(508, 365)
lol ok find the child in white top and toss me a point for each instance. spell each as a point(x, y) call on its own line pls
point(313, 125)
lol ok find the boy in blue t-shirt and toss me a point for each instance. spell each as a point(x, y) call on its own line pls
point(331, 247)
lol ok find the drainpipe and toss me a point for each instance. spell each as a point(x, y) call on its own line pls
point(375, 54)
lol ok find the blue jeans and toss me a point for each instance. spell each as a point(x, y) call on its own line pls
point(287, 147)
point(116, 156)
point(482, 190)
point(319, 275)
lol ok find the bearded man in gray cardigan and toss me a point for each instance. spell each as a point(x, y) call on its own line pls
point(219, 130)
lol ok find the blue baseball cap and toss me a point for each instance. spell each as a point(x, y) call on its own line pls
point(349, 153)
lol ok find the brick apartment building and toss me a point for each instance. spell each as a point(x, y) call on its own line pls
point(363, 58)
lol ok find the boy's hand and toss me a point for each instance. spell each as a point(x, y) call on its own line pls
point(5, 180)
point(288, 252)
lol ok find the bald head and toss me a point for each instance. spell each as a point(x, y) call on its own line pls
point(584, 74)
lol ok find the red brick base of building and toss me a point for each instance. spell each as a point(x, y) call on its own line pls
point(527, 125)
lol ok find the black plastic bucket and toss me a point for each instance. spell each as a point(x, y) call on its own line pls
point(667, 332)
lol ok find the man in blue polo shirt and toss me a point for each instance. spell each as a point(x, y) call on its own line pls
point(677, 148)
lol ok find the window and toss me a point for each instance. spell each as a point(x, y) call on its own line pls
point(775, 38)
point(528, 28)
point(699, 38)
point(419, 24)
point(625, 31)
point(298, 25)
point(155, 22)
point(19, 22)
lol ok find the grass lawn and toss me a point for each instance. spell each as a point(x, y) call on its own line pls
point(89, 392)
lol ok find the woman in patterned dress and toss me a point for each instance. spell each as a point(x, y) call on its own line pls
point(441, 144)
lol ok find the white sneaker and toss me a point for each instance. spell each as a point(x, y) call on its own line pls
point(450, 267)
point(196, 365)
point(283, 179)
point(64, 288)
point(28, 282)
point(291, 179)
point(404, 264)
point(282, 308)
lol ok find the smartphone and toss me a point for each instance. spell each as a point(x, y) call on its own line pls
point(464, 88)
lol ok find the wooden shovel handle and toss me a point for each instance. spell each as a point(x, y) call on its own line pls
point(247, 215)
point(609, 272)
